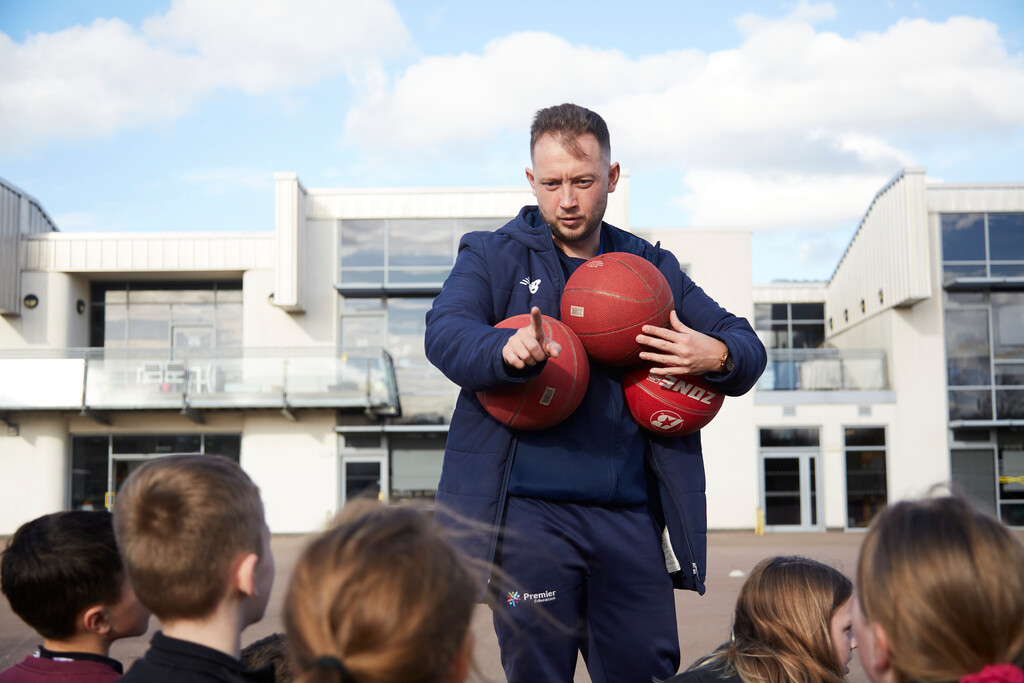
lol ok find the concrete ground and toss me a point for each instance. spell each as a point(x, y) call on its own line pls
point(704, 621)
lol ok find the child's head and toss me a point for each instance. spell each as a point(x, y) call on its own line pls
point(792, 622)
point(183, 522)
point(940, 593)
point(384, 594)
point(63, 575)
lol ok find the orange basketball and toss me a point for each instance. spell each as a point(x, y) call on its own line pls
point(551, 396)
point(665, 404)
point(607, 301)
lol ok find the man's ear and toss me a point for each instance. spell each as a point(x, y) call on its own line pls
point(529, 176)
point(613, 176)
point(245, 575)
point(95, 620)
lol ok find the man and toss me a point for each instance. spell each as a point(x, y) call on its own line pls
point(594, 520)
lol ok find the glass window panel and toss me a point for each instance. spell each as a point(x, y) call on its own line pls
point(362, 243)
point(970, 405)
point(149, 325)
point(361, 332)
point(971, 435)
point(1012, 514)
point(418, 276)
point(1011, 474)
point(866, 486)
point(1009, 374)
point(362, 480)
point(780, 336)
point(782, 491)
point(1008, 324)
point(367, 440)
point(1006, 236)
point(145, 444)
point(865, 436)
point(362, 277)
point(1009, 404)
point(359, 305)
point(762, 316)
point(225, 445)
point(973, 474)
point(406, 329)
point(950, 273)
point(808, 311)
point(115, 296)
point(1006, 270)
point(791, 437)
point(963, 236)
point(89, 457)
point(229, 296)
point(229, 325)
point(780, 311)
point(115, 326)
point(415, 465)
point(808, 336)
point(420, 242)
point(967, 348)
point(189, 313)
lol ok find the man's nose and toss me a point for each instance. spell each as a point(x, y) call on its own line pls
point(568, 198)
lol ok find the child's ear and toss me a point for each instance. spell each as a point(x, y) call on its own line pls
point(878, 654)
point(458, 670)
point(95, 620)
point(245, 575)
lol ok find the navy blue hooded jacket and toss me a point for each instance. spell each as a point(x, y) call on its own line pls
point(493, 279)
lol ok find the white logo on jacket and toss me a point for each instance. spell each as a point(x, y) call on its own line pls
point(534, 286)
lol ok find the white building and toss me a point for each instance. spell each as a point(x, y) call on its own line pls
point(299, 353)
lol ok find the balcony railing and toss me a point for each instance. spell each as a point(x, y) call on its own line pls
point(97, 379)
point(825, 370)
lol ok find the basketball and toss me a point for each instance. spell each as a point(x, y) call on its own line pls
point(551, 396)
point(665, 404)
point(607, 301)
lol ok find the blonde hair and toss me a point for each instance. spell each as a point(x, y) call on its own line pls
point(946, 583)
point(383, 592)
point(781, 627)
point(181, 521)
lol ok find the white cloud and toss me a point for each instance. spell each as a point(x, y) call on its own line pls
point(803, 122)
point(92, 80)
point(775, 200)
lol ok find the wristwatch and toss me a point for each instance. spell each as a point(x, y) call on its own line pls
point(727, 363)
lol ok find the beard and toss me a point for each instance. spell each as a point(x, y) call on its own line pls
point(591, 224)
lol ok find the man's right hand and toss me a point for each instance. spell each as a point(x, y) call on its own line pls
point(529, 346)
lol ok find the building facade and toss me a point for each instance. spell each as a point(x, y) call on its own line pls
point(299, 354)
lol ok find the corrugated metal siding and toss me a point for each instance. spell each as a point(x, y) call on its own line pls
point(975, 198)
point(416, 203)
point(85, 252)
point(20, 214)
point(889, 254)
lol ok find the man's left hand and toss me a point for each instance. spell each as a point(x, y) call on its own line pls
point(680, 350)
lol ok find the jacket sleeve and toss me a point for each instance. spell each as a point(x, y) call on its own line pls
point(699, 311)
point(460, 338)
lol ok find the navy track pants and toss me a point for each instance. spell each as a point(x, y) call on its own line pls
point(588, 578)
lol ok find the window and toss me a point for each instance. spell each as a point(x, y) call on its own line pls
point(790, 326)
point(866, 483)
point(788, 466)
point(984, 334)
point(166, 315)
point(982, 245)
point(396, 252)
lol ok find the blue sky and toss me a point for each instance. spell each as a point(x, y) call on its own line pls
point(783, 118)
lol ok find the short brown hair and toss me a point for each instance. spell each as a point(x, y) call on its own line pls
point(181, 521)
point(781, 627)
point(567, 122)
point(946, 583)
point(383, 592)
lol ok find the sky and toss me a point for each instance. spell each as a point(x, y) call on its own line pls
point(782, 118)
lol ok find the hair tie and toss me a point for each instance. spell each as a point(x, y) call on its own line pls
point(996, 673)
point(334, 664)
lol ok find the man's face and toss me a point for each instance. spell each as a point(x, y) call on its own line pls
point(572, 191)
